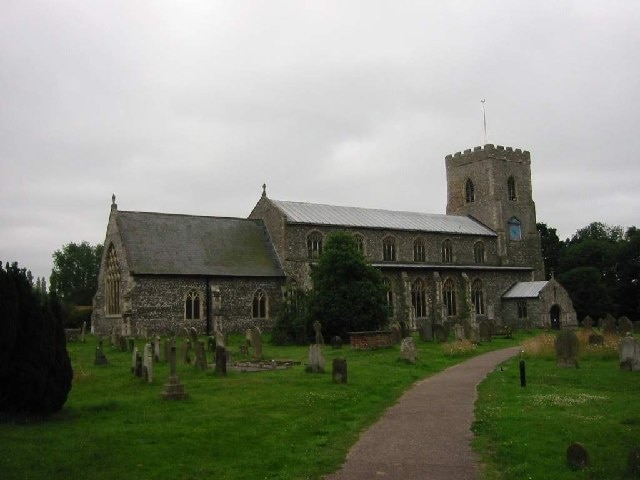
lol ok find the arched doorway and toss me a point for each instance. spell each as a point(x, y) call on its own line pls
point(554, 315)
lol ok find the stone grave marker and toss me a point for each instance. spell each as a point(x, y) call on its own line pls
point(130, 344)
point(186, 352)
point(408, 351)
point(317, 328)
point(339, 370)
point(114, 338)
point(138, 370)
point(221, 341)
point(633, 462)
point(221, 361)
point(316, 359)
point(396, 333)
point(256, 342)
point(336, 342)
point(458, 331)
point(100, 357)
point(439, 334)
point(577, 456)
point(609, 324)
point(629, 353)
point(566, 346)
point(83, 331)
point(625, 326)
point(587, 323)
point(201, 356)
point(133, 360)
point(193, 335)
point(157, 357)
point(173, 389)
point(147, 363)
point(484, 332)
point(596, 339)
point(425, 329)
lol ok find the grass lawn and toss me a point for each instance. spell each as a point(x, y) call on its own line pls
point(284, 424)
point(523, 433)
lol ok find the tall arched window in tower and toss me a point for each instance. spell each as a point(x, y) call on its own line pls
point(447, 251)
point(477, 297)
point(419, 250)
point(419, 298)
point(389, 249)
point(511, 189)
point(469, 191)
point(260, 305)
point(449, 297)
point(112, 283)
point(478, 252)
point(389, 295)
point(314, 245)
point(515, 229)
point(192, 306)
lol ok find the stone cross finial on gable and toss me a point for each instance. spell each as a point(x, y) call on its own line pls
point(114, 205)
point(264, 189)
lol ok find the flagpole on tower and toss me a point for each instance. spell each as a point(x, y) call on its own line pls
point(484, 122)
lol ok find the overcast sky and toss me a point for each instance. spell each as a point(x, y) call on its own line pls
point(190, 106)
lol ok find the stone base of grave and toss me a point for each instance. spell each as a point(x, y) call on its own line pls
point(174, 390)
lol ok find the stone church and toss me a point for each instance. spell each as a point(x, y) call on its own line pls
point(480, 261)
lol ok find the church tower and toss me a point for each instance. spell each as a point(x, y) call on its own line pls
point(493, 185)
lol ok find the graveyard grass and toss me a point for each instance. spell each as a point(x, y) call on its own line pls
point(283, 424)
point(523, 433)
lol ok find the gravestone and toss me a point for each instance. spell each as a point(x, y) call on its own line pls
point(609, 324)
point(566, 346)
point(156, 349)
point(316, 359)
point(484, 331)
point(255, 338)
point(127, 328)
point(439, 334)
point(134, 353)
point(138, 370)
point(123, 344)
point(458, 331)
point(587, 323)
point(336, 342)
point(100, 358)
point(425, 329)
point(633, 462)
point(211, 344)
point(577, 456)
point(167, 349)
point(201, 356)
point(625, 326)
point(408, 351)
point(317, 328)
point(339, 370)
point(221, 341)
point(186, 352)
point(130, 344)
point(629, 354)
point(595, 339)
point(221, 361)
point(114, 338)
point(193, 335)
point(466, 326)
point(83, 331)
point(173, 389)
point(147, 363)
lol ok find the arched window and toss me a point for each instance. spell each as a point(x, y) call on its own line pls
point(419, 298)
point(511, 189)
point(192, 306)
point(419, 254)
point(515, 229)
point(389, 296)
point(449, 297)
point(112, 283)
point(469, 191)
point(477, 297)
point(359, 242)
point(389, 249)
point(314, 245)
point(447, 252)
point(260, 305)
point(478, 252)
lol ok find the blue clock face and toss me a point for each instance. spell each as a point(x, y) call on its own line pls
point(514, 232)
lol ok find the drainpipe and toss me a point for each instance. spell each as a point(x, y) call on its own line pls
point(208, 296)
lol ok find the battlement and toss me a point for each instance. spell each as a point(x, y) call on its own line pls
point(490, 151)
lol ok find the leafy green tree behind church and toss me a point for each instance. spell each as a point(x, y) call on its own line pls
point(74, 277)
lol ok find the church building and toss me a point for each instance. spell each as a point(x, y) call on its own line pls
point(480, 261)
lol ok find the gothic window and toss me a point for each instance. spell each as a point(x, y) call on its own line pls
point(389, 296)
point(449, 297)
point(469, 192)
point(478, 252)
point(419, 251)
point(359, 242)
point(192, 306)
point(477, 297)
point(389, 249)
point(260, 304)
point(522, 309)
point(112, 283)
point(447, 252)
point(314, 245)
point(511, 189)
point(419, 298)
point(515, 229)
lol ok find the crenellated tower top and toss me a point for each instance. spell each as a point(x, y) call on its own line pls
point(496, 152)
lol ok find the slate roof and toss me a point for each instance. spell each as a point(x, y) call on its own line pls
point(525, 290)
point(319, 214)
point(170, 244)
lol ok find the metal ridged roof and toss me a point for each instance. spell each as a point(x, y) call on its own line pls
point(525, 290)
point(319, 214)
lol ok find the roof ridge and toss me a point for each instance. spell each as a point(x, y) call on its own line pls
point(369, 208)
point(185, 215)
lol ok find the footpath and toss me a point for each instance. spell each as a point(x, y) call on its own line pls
point(427, 434)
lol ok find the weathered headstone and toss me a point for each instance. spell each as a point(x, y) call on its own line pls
point(123, 344)
point(316, 359)
point(587, 323)
point(134, 353)
point(221, 341)
point(566, 346)
point(633, 462)
point(609, 324)
point(221, 361)
point(127, 328)
point(83, 331)
point(255, 338)
point(458, 331)
point(193, 335)
point(629, 353)
point(408, 351)
point(186, 352)
point(595, 339)
point(173, 389)
point(100, 357)
point(484, 331)
point(201, 356)
point(439, 334)
point(625, 326)
point(147, 365)
point(157, 357)
point(130, 344)
point(317, 328)
point(396, 333)
point(425, 329)
point(114, 338)
point(336, 342)
point(138, 370)
point(577, 456)
point(339, 370)
point(167, 349)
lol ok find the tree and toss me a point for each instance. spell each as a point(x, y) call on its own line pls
point(348, 294)
point(551, 248)
point(627, 294)
point(35, 370)
point(74, 277)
